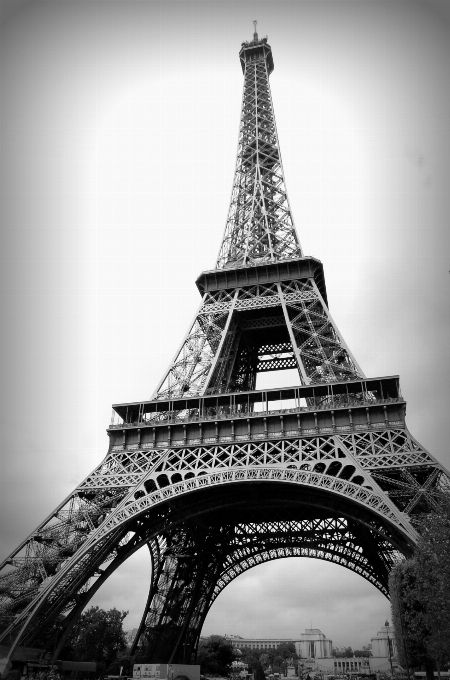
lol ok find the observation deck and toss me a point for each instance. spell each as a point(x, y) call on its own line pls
point(363, 404)
point(237, 276)
point(254, 50)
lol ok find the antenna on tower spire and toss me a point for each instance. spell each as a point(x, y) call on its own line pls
point(255, 35)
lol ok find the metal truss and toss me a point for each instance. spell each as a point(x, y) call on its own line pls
point(190, 367)
point(259, 226)
point(337, 477)
point(334, 539)
point(220, 354)
point(221, 551)
point(182, 593)
point(323, 354)
point(386, 473)
point(231, 548)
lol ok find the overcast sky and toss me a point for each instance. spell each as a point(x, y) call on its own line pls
point(119, 132)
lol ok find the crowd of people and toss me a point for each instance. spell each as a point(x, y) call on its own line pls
point(29, 673)
point(44, 674)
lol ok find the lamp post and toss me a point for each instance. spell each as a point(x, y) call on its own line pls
point(57, 630)
point(404, 642)
point(389, 648)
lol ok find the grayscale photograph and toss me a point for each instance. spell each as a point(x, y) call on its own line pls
point(225, 332)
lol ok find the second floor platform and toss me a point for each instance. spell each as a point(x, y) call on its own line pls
point(258, 414)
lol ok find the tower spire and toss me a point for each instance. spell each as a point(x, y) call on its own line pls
point(255, 35)
point(259, 228)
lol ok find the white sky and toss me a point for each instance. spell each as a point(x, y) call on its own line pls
point(119, 132)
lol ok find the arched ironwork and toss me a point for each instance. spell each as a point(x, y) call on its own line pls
point(216, 476)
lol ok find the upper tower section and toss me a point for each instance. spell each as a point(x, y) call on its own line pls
point(260, 228)
point(256, 50)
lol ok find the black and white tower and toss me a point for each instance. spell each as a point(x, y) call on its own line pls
point(216, 476)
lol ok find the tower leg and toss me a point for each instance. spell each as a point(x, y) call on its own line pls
point(182, 593)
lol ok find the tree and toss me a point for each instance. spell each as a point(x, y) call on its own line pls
point(347, 653)
point(432, 557)
point(98, 635)
point(215, 655)
point(420, 596)
point(278, 662)
point(286, 650)
point(407, 615)
point(251, 660)
point(264, 660)
point(259, 672)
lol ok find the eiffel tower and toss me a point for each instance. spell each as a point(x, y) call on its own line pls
point(216, 476)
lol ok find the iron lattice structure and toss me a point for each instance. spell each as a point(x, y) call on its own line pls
point(216, 476)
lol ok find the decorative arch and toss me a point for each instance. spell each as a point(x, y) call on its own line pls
point(145, 505)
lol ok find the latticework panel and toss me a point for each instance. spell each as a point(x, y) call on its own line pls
point(189, 469)
point(182, 592)
point(190, 368)
point(259, 226)
point(331, 539)
point(31, 568)
point(389, 459)
point(215, 355)
point(323, 354)
point(386, 473)
point(207, 561)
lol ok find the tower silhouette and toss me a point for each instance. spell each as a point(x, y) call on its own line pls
point(216, 476)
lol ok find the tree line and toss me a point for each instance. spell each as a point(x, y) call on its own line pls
point(216, 653)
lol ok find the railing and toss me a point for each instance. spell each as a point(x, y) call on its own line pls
point(262, 261)
point(169, 418)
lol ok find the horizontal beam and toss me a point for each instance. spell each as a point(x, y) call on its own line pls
point(276, 364)
point(272, 272)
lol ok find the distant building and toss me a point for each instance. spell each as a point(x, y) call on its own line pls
point(314, 652)
point(130, 636)
point(348, 666)
point(384, 643)
point(239, 669)
point(313, 645)
point(257, 643)
point(381, 661)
